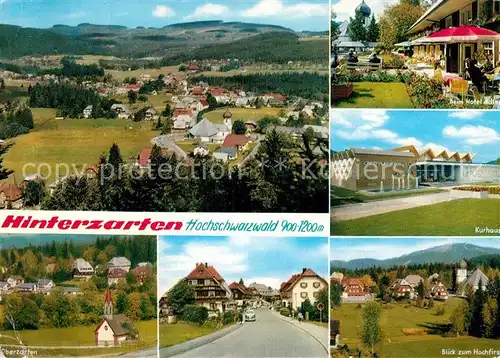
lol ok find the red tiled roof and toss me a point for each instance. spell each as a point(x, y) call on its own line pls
point(193, 68)
point(182, 112)
point(242, 288)
point(306, 272)
point(145, 155)
point(217, 91)
point(117, 273)
point(203, 271)
point(197, 91)
point(234, 140)
point(348, 281)
point(204, 102)
point(11, 191)
point(131, 86)
point(277, 96)
point(140, 270)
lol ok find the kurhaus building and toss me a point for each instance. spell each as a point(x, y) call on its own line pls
point(457, 30)
point(406, 167)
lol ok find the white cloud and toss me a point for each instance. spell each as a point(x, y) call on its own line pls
point(208, 10)
point(473, 135)
point(465, 114)
point(345, 8)
point(76, 15)
point(163, 11)
point(277, 8)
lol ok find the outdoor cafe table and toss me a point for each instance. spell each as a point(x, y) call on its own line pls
point(448, 77)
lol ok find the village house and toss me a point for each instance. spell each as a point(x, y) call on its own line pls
point(438, 291)
point(192, 68)
point(336, 278)
point(114, 329)
point(121, 110)
point(45, 285)
point(353, 290)
point(11, 197)
point(201, 150)
point(211, 290)
point(82, 269)
point(142, 273)
point(238, 141)
point(401, 288)
point(225, 154)
point(150, 114)
point(206, 131)
point(144, 157)
point(251, 126)
point(198, 91)
point(414, 280)
point(116, 275)
point(302, 286)
point(241, 294)
point(221, 95)
point(132, 87)
point(119, 262)
point(14, 281)
point(27, 287)
point(87, 112)
point(264, 292)
point(274, 99)
point(183, 118)
point(71, 290)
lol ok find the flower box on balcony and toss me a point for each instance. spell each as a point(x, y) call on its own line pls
point(341, 91)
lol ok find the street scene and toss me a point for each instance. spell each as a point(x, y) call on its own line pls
point(257, 294)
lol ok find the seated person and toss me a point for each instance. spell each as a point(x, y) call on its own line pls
point(351, 57)
point(373, 58)
point(475, 75)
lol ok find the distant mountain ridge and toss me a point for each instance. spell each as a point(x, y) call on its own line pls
point(139, 42)
point(447, 254)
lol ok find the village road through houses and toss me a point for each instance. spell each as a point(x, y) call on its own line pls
point(269, 336)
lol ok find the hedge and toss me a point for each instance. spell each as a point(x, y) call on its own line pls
point(285, 312)
point(195, 314)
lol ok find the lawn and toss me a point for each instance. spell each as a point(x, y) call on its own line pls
point(188, 145)
point(451, 218)
point(80, 336)
point(398, 317)
point(158, 102)
point(77, 143)
point(13, 94)
point(343, 196)
point(172, 334)
point(244, 114)
point(377, 95)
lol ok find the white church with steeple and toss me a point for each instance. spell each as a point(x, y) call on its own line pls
point(114, 329)
point(473, 278)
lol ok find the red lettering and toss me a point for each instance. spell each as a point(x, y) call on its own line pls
point(158, 225)
point(64, 224)
point(10, 222)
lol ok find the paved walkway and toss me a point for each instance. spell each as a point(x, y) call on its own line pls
point(168, 142)
point(319, 333)
point(197, 342)
point(356, 211)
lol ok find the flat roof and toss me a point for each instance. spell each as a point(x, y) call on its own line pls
point(382, 152)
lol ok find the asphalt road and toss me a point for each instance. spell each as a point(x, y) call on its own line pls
point(268, 336)
point(168, 142)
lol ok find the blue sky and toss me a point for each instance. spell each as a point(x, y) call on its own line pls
point(463, 131)
point(385, 248)
point(345, 8)
point(299, 14)
point(266, 260)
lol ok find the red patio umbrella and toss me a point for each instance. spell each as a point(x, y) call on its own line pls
point(469, 33)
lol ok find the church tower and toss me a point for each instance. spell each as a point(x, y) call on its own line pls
point(108, 305)
point(366, 11)
point(228, 119)
point(461, 272)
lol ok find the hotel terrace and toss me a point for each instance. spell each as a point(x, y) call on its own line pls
point(457, 30)
point(406, 168)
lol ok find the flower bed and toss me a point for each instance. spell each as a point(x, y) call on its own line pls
point(489, 189)
point(341, 91)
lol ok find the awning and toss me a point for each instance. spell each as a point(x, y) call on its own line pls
point(353, 44)
point(467, 33)
point(419, 41)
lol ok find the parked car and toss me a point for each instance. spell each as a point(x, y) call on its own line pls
point(250, 316)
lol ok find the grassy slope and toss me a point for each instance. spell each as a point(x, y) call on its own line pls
point(77, 336)
point(79, 142)
point(172, 334)
point(453, 218)
point(377, 95)
point(393, 320)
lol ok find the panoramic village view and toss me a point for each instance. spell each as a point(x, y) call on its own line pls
point(415, 297)
point(415, 54)
point(418, 168)
point(194, 103)
point(243, 297)
point(78, 296)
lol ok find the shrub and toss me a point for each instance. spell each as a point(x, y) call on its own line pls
point(213, 323)
point(195, 314)
point(489, 189)
point(229, 317)
point(431, 303)
point(414, 331)
point(285, 311)
point(440, 311)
